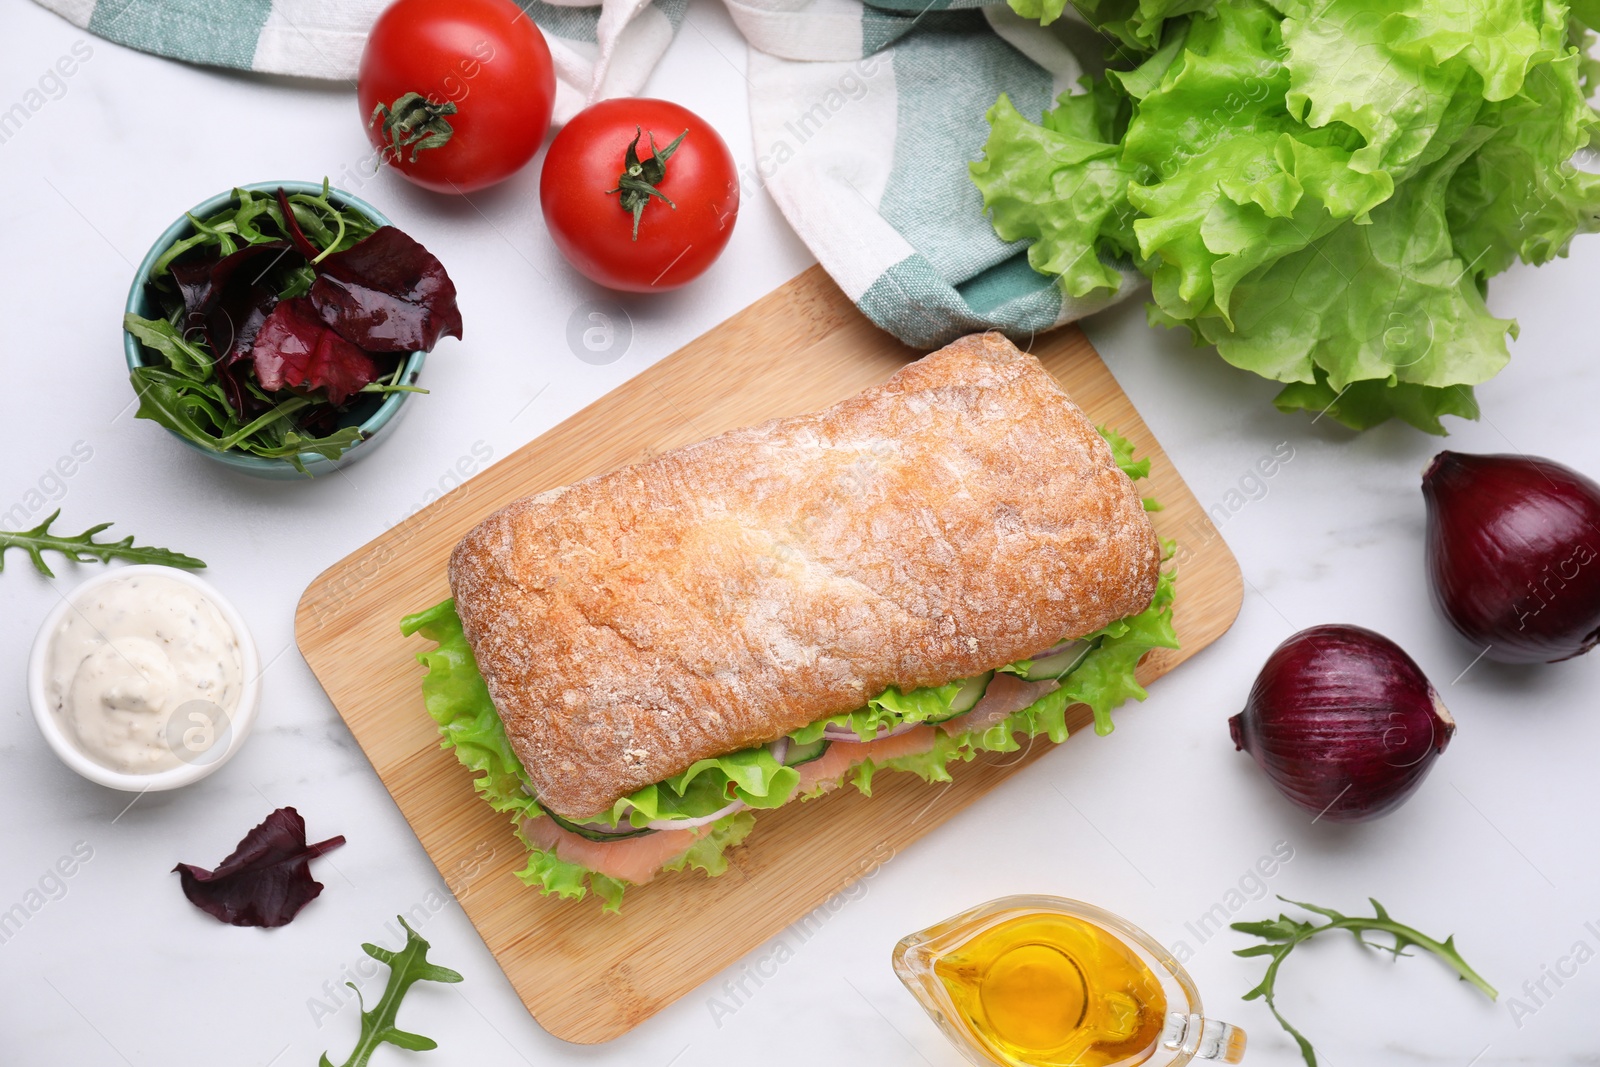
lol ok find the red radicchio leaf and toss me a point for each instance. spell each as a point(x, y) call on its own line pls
point(387, 293)
point(295, 349)
point(203, 285)
point(227, 301)
point(266, 881)
point(244, 314)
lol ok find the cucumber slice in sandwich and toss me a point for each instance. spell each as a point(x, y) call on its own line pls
point(593, 831)
point(1060, 664)
point(804, 753)
point(971, 692)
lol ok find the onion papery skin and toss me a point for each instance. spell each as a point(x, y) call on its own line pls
point(1514, 554)
point(1343, 722)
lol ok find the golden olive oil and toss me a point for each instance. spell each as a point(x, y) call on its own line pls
point(1052, 990)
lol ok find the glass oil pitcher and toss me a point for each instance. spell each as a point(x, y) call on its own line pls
point(1037, 981)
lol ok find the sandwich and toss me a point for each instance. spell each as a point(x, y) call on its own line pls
point(635, 666)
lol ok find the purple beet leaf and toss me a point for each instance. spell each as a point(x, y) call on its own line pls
point(227, 301)
point(266, 881)
point(387, 293)
point(296, 350)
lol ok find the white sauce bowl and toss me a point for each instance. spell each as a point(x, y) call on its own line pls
point(241, 719)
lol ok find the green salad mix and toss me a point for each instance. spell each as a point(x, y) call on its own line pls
point(1319, 188)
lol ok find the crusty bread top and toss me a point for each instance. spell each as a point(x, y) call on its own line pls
point(962, 515)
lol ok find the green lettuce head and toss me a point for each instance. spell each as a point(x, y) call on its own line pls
point(1320, 189)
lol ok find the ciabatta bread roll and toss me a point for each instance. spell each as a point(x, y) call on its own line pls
point(962, 515)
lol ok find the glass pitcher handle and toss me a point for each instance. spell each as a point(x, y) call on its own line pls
point(1195, 1037)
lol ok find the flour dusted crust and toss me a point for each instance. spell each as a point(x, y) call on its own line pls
point(962, 515)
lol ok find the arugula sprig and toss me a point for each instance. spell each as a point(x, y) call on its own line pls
point(1284, 933)
point(83, 548)
point(406, 968)
point(246, 221)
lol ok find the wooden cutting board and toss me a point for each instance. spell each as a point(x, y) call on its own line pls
point(588, 976)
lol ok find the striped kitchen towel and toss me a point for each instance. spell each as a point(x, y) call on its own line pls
point(599, 50)
point(865, 117)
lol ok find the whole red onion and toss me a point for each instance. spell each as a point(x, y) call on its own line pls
point(1344, 723)
point(1512, 549)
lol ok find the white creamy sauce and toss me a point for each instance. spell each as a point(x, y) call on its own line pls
point(127, 657)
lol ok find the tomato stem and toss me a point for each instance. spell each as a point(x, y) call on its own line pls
point(415, 122)
point(639, 177)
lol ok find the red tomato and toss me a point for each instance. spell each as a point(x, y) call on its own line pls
point(473, 81)
point(589, 208)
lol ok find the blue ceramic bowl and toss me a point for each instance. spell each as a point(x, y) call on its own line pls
point(374, 414)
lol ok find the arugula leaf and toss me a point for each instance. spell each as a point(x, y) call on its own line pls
point(1284, 933)
point(406, 968)
point(183, 406)
point(188, 359)
point(84, 548)
point(241, 223)
point(197, 412)
point(331, 446)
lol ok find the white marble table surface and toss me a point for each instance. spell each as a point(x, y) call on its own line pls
point(1161, 822)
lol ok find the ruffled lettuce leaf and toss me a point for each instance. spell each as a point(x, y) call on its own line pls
point(458, 700)
point(1122, 453)
point(752, 775)
point(1104, 680)
point(1519, 196)
point(709, 854)
point(554, 876)
point(1390, 71)
point(893, 708)
point(1232, 180)
point(1062, 185)
point(888, 710)
point(1319, 188)
point(1390, 301)
point(1129, 24)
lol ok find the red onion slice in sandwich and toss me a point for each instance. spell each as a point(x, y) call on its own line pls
point(704, 820)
